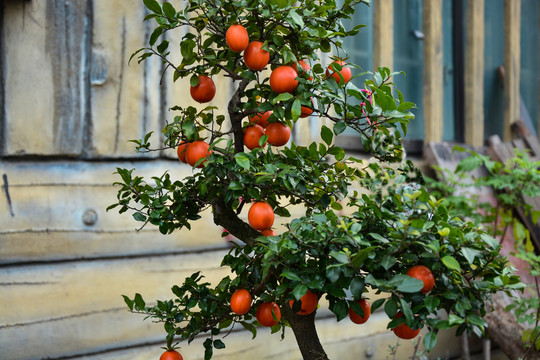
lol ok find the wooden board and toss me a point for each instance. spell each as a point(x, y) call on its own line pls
point(127, 101)
point(341, 340)
point(474, 73)
point(49, 211)
point(76, 307)
point(45, 44)
point(433, 70)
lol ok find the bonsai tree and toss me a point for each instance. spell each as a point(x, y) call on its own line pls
point(368, 226)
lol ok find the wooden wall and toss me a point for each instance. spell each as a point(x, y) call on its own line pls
point(68, 104)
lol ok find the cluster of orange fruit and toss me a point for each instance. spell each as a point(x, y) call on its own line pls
point(282, 80)
point(269, 314)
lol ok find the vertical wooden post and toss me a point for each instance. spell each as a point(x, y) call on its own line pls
point(512, 23)
point(474, 74)
point(433, 70)
point(383, 33)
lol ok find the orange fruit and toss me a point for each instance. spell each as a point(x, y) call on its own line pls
point(181, 151)
point(308, 303)
point(171, 355)
point(241, 301)
point(423, 273)
point(204, 91)
point(255, 57)
point(261, 118)
point(264, 314)
point(278, 134)
point(345, 72)
point(197, 150)
point(261, 215)
point(306, 110)
point(304, 68)
point(252, 135)
point(403, 331)
point(283, 79)
point(237, 38)
point(356, 318)
point(268, 232)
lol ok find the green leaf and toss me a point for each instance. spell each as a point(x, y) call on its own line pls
point(377, 304)
point(218, 344)
point(299, 291)
point(408, 284)
point(291, 276)
point(430, 340)
point(139, 302)
point(139, 217)
point(242, 160)
point(406, 310)
point(194, 80)
point(152, 5)
point(451, 263)
point(297, 19)
point(340, 309)
point(326, 135)
point(470, 254)
point(357, 287)
point(296, 109)
point(390, 307)
point(282, 97)
point(431, 303)
point(333, 273)
point(128, 302)
point(168, 9)
point(339, 127)
point(155, 35)
point(250, 327)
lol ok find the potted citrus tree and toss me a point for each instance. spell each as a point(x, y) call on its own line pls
point(368, 225)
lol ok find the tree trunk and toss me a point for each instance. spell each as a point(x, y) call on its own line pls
point(505, 331)
point(305, 332)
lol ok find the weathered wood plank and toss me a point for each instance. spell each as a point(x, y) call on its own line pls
point(383, 31)
point(343, 341)
point(77, 307)
point(50, 212)
point(474, 74)
point(126, 100)
point(433, 70)
point(45, 45)
point(512, 28)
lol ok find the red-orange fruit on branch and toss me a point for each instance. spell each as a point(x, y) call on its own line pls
point(255, 57)
point(204, 91)
point(283, 79)
point(237, 38)
point(261, 216)
point(264, 314)
point(278, 134)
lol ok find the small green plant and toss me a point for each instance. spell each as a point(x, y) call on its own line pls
point(513, 182)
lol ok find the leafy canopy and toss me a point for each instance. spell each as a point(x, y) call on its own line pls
point(366, 222)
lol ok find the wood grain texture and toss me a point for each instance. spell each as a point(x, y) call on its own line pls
point(383, 31)
point(45, 208)
point(433, 70)
point(512, 26)
point(76, 307)
point(474, 74)
point(45, 44)
point(126, 102)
